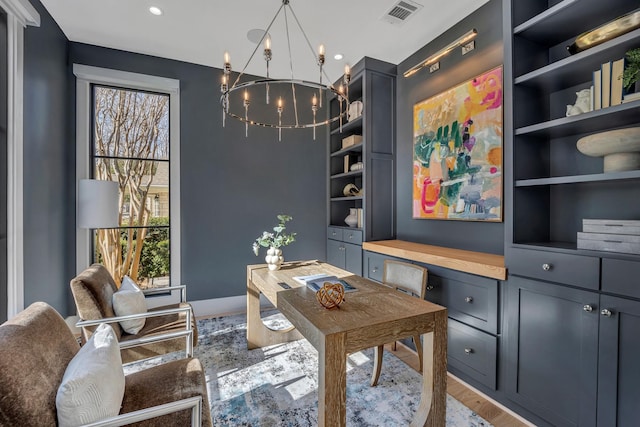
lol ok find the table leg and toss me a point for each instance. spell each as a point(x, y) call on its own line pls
point(332, 382)
point(258, 335)
point(433, 401)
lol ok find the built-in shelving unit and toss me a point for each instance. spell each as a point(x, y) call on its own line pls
point(373, 84)
point(554, 185)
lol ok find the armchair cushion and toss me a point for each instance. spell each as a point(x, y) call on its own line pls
point(35, 348)
point(129, 300)
point(93, 384)
point(176, 380)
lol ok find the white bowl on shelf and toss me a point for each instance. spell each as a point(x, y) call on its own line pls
point(620, 148)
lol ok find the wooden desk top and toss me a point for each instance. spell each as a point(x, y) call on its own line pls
point(373, 305)
point(482, 264)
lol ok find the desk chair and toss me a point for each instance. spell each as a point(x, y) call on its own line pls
point(408, 278)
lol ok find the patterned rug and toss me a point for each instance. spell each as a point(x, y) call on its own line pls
point(277, 385)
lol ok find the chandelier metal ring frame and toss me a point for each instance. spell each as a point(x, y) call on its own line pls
point(342, 92)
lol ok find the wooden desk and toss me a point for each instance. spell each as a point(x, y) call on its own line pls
point(370, 316)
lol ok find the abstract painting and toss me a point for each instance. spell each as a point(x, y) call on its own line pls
point(457, 152)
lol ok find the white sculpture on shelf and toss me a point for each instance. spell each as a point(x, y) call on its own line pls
point(582, 105)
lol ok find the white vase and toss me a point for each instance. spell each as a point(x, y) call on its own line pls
point(352, 218)
point(274, 258)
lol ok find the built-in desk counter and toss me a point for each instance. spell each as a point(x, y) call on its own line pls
point(465, 282)
point(482, 264)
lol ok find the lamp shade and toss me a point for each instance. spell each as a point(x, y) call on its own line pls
point(97, 204)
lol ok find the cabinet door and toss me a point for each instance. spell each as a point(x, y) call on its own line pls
point(352, 258)
point(552, 350)
point(335, 253)
point(618, 373)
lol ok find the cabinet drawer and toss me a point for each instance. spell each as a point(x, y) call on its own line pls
point(577, 270)
point(334, 233)
point(472, 352)
point(621, 277)
point(374, 266)
point(352, 236)
point(469, 299)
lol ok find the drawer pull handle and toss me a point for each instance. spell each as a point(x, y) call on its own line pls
point(588, 308)
point(333, 233)
point(374, 269)
point(429, 287)
point(546, 267)
point(606, 312)
point(468, 299)
point(468, 350)
point(351, 236)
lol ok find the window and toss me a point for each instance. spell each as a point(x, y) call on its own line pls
point(131, 147)
point(128, 130)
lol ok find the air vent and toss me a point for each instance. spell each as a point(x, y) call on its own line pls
point(401, 11)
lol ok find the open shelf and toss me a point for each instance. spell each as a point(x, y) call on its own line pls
point(356, 148)
point(598, 177)
point(346, 174)
point(619, 115)
point(346, 198)
point(578, 68)
point(348, 126)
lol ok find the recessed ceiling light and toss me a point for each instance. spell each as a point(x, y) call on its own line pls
point(155, 10)
point(337, 56)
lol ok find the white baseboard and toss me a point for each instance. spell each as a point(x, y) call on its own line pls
point(224, 306)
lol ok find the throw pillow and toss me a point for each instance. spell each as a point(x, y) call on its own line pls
point(129, 300)
point(93, 384)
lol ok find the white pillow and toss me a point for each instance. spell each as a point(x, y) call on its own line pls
point(93, 384)
point(129, 300)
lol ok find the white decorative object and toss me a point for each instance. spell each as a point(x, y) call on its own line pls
point(92, 387)
point(352, 218)
point(582, 105)
point(274, 258)
point(357, 166)
point(350, 190)
point(620, 148)
point(129, 300)
point(355, 110)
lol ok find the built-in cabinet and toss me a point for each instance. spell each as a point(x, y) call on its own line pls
point(472, 301)
point(571, 316)
point(373, 84)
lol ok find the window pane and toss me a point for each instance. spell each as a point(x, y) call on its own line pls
point(143, 187)
point(116, 249)
point(130, 123)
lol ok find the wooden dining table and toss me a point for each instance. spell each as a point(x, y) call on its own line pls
point(372, 315)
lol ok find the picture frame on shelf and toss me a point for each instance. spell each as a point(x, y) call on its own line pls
point(457, 152)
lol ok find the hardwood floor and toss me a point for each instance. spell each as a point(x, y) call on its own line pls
point(477, 403)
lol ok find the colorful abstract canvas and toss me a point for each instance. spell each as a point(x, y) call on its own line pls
point(457, 152)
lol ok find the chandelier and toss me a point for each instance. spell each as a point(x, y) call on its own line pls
point(236, 99)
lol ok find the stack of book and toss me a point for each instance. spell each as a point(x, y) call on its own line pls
point(607, 85)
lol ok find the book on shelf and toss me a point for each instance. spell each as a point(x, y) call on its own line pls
point(316, 281)
point(597, 89)
point(360, 213)
point(606, 84)
point(617, 68)
point(629, 97)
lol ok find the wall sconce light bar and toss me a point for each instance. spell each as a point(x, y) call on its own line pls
point(462, 41)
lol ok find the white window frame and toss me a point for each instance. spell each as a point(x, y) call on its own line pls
point(85, 77)
point(20, 13)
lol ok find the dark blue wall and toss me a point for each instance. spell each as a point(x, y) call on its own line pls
point(49, 208)
point(231, 187)
point(454, 69)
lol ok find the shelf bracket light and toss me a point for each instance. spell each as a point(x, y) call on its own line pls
point(433, 61)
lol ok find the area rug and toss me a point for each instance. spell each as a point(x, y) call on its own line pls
point(277, 385)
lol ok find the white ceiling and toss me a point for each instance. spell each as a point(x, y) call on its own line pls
point(200, 31)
